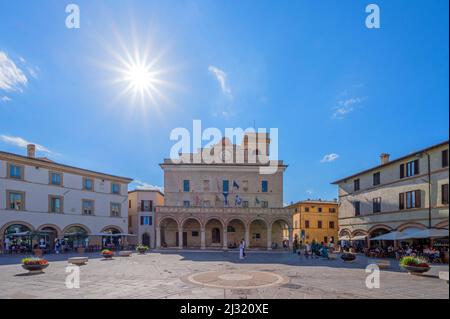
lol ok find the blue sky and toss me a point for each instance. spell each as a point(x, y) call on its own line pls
point(309, 68)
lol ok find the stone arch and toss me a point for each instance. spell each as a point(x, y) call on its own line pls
point(258, 230)
point(279, 232)
point(285, 220)
point(169, 227)
point(236, 228)
point(113, 227)
point(18, 222)
point(345, 232)
point(192, 228)
point(207, 220)
point(411, 225)
point(76, 225)
point(379, 226)
point(359, 232)
point(58, 230)
point(214, 232)
point(443, 224)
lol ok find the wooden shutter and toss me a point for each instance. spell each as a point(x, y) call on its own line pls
point(142, 205)
point(402, 170)
point(445, 158)
point(401, 201)
point(151, 205)
point(444, 194)
point(416, 167)
point(418, 198)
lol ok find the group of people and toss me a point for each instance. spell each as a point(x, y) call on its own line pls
point(313, 249)
point(431, 253)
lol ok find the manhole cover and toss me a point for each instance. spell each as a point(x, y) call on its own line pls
point(236, 279)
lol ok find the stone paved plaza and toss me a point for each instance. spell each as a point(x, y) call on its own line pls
point(193, 274)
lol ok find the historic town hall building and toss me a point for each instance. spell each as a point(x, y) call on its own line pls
point(216, 204)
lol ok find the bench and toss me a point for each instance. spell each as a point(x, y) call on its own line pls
point(381, 263)
point(79, 261)
point(443, 275)
point(125, 253)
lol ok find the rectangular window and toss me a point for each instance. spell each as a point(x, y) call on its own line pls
point(146, 220)
point(412, 168)
point(88, 184)
point(444, 194)
point(186, 203)
point(356, 185)
point(130, 221)
point(115, 210)
point(225, 186)
point(306, 209)
point(15, 171)
point(325, 239)
point(319, 209)
point(306, 223)
point(115, 188)
point(376, 205)
point(331, 225)
point(129, 203)
point(264, 186)
point(146, 205)
point(357, 206)
point(332, 210)
point(206, 185)
point(376, 178)
point(16, 200)
point(88, 207)
point(194, 233)
point(413, 199)
point(445, 158)
point(186, 186)
point(319, 224)
point(55, 204)
point(401, 201)
point(55, 178)
point(264, 204)
point(245, 204)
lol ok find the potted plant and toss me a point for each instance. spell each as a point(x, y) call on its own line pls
point(348, 257)
point(142, 249)
point(107, 254)
point(34, 264)
point(414, 265)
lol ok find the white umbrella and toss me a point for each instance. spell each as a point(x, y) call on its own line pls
point(360, 237)
point(395, 235)
point(427, 233)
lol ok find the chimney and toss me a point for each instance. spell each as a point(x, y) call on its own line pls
point(384, 157)
point(31, 150)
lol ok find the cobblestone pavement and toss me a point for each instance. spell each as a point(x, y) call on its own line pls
point(184, 274)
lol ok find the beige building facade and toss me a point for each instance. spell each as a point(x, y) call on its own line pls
point(37, 194)
point(142, 205)
point(409, 192)
point(216, 205)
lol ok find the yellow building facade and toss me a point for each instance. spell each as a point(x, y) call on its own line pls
point(315, 220)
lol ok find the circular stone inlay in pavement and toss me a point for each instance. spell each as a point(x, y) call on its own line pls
point(236, 279)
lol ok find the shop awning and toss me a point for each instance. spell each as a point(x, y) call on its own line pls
point(344, 238)
point(395, 235)
point(427, 233)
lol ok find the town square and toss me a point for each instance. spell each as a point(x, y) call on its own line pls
point(186, 150)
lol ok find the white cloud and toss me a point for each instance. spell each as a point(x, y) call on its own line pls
point(221, 77)
point(21, 142)
point(329, 158)
point(5, 99)
point(140, 185)
point(346, 106)
point(12, 78)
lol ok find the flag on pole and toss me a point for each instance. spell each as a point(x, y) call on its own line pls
point(237, 201)
point(256, 200)
point(225, 195)
point(235, 185)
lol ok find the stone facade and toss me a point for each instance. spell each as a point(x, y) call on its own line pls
point(218, 204)
point(395, 195)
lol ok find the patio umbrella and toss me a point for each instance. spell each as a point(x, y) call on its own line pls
point(344, 238)
point(395, 235)
point(360, 237)
point(426, 233)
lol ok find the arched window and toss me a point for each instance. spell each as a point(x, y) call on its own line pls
point(231, 229)
point(215, 235)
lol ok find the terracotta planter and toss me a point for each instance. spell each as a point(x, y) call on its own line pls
point(35, 268)
point(413, 270)
point(107, 256)
point(142, 251)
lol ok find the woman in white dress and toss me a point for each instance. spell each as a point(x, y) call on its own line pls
point(241, 250)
